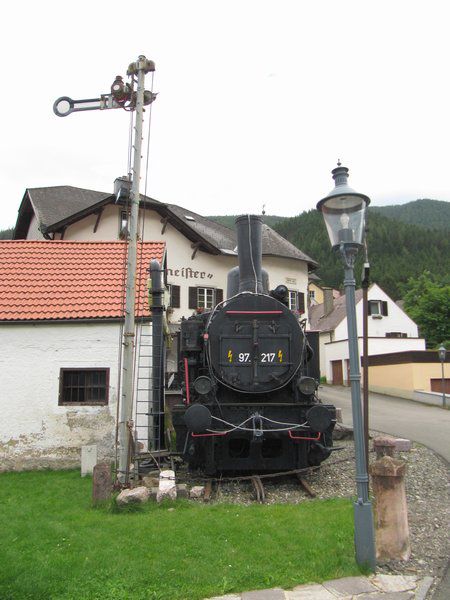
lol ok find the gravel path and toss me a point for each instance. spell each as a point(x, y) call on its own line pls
point(427, 488)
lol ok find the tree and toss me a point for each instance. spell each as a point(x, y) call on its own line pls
point(427, 302)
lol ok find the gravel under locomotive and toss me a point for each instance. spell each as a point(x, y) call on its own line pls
point(249, 405)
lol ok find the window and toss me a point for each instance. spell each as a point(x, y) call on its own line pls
point(297, 301)
point(312, 294)
point(396, 334)
point(293, 300)
point(123, 225)
point(83, 386)
point(204, 298)
point(174, 295)
point(378, 308)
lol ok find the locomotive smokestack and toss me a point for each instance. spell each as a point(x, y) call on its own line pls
point(249, 239)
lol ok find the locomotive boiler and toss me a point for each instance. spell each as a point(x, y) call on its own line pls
point(250, 403)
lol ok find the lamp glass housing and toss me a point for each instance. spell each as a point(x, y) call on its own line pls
point(344, 217)
point(442, 352)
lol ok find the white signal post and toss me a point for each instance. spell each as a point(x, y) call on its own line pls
point(123, 96)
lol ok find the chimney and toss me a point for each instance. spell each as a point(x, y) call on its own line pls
point(327, 301)
point(249, 239)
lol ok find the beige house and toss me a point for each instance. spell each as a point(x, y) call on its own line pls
point(416, 375)
point(200, 252)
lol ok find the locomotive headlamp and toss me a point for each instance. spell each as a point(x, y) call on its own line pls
point(307, 385)
point(343, 211)
point(203, 385)
point(319, 418)
point(197, 418)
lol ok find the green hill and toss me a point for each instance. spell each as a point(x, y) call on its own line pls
point(432, 214)
point(397, 250)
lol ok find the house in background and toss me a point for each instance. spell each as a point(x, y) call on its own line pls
point(390, 331)
point(201, 251)
point(316, 290)
point(61, 313)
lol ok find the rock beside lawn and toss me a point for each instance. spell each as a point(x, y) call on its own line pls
point(167, 489)
point(137, 495)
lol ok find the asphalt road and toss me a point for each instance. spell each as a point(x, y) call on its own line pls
point(428, 425)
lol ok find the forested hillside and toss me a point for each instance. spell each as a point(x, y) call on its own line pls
point(397, 251)
point(432, 214)
point(6, 234)
point(403, 241)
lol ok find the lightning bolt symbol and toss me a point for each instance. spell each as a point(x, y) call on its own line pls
point(280, 356)
point(230, 356)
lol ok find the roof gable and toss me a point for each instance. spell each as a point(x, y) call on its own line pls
point(58, 280)
point(59, 206)
point(319, 322)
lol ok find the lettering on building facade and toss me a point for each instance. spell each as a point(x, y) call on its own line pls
point(189, 273)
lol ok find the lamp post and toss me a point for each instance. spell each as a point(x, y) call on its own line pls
point(343, 211)
point(442, 352)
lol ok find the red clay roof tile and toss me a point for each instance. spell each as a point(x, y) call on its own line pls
point(54, 280)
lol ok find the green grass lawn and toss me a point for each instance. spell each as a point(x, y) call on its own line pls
point(54, 545)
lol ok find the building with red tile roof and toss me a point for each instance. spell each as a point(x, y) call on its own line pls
point(61, 316)
point(59, 280)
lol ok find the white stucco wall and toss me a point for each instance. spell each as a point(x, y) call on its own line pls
point(338, 350)
point(34, 431)
point(33, 231)
point(396, 320)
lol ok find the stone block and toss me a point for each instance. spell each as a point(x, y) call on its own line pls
point(88, 459)
point(101, 483)
point(272, 594)
point(403, 445)
point(349, 586)
point(150, 481)
point(386, 596)
point(167, 489)
point(384, 446)
point(310, 592)
point(423, 588)
point(341, 432)
point(137, 495)
point(197, 491)
point(227, 597)
point(182, 490)
point(394, 583)
point(338, 415)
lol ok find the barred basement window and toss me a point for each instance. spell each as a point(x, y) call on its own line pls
point(85, 387)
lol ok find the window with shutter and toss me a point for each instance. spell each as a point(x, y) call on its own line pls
point(293, 300)
point(174, 296)
point(384, 308)
point(193, 297)
point(301, 302)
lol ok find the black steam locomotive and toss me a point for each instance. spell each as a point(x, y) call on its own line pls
point(249, 403)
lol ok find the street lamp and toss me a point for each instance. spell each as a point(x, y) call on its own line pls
point(442, 352)
point(343, 211)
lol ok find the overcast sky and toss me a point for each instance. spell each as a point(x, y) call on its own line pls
point(257, 99)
